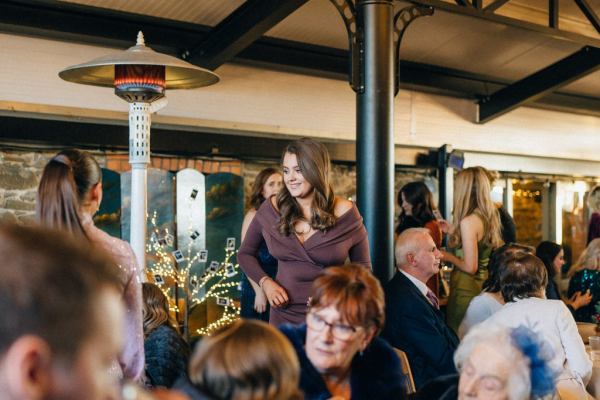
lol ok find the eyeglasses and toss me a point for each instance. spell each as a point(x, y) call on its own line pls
point(339, 331)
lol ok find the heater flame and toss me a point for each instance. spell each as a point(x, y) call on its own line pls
point(140, 82)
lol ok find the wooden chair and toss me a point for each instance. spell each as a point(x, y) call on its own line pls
point(410, 382)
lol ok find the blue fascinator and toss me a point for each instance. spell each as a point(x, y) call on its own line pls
point(542, 376)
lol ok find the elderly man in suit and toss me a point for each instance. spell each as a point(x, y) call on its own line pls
point(414, 322)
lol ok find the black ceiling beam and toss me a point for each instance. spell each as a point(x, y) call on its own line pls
point(21, 131)
point(495, 5)
point(508, 21)
point(240, 29)
point(589, 13)
point(115, 137)
point(539, 84)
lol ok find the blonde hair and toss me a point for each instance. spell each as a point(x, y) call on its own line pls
point(589, 259)
point(249, 360)
point(472, 196)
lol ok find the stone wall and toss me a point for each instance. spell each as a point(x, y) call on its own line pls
point(343, 180)
point(20, 171)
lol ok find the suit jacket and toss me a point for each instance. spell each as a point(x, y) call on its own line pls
point(416, 327)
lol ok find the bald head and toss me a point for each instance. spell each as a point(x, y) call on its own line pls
point(416, 253)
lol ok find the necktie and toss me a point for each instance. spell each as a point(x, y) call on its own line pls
point(433, 299)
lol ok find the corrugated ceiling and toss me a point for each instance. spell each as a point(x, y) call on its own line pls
point(445, 39)
point(204, 12)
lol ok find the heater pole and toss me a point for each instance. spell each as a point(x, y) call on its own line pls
point(139, 158)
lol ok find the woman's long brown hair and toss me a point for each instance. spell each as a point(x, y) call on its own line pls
point(256, 197)
point(248, 360)
point(313, 160)
point(67, 179)
point(156, 308)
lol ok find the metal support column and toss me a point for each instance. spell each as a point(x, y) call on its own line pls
point(374, 36)
point(507, 196)
point(375, 133)
point(446, 182)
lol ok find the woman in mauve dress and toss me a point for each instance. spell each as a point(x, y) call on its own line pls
point(306, 228)
point(69, 194)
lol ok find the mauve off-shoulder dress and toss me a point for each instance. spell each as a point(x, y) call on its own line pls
point(300, 264)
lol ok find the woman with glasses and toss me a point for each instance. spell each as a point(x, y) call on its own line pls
point(340, 355)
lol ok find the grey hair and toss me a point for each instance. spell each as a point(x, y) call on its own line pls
point(408, 242)
point(499, 337)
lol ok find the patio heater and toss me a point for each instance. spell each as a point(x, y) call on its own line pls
point(139, 76)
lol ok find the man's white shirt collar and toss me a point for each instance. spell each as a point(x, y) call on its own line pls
point(420, 285)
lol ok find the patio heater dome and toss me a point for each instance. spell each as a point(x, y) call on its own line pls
point(139, 74)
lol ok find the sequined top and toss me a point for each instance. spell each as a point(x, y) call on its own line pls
point(580, 282)
point(131, 359)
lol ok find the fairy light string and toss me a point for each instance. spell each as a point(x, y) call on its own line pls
point(193, 290)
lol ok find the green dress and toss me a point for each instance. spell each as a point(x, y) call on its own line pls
point(463, 286)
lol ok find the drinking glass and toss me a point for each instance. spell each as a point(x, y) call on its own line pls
point(594, 343)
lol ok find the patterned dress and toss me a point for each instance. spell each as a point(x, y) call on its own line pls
point(581, 282)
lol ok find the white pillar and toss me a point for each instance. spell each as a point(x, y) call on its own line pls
point(139, 158)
